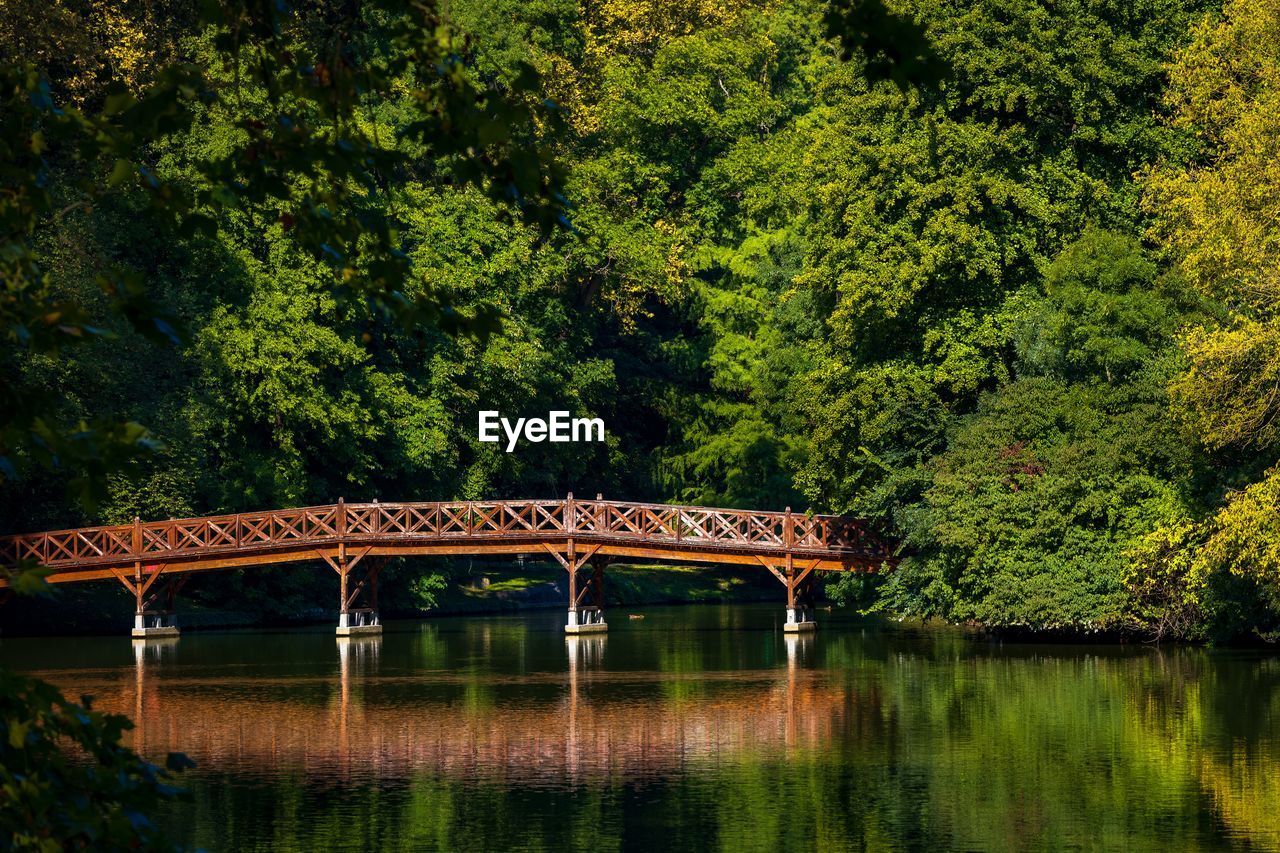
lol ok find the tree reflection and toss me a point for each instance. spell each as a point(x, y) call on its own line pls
point(847, 740)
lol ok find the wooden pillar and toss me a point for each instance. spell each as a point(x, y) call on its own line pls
point(795, 579)
point(572, 569)
point(141, 610)
point(361, 620)
point(799, 605)
point(344, 610)
point(149, 623)
point(582, 619)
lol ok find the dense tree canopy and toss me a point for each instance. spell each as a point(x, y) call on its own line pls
point(1001, 282)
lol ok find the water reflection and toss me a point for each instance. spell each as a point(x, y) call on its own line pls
point(590, 724)
point(696, 728)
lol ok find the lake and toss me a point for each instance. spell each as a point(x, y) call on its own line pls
point(697, 727)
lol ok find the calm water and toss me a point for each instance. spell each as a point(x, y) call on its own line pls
point(694, 728)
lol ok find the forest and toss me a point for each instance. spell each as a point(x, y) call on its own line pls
point(1012, 297)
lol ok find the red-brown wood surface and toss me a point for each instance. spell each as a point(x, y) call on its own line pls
point(657, 531)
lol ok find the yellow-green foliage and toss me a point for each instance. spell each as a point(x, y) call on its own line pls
point(1165, 583)
point(1245, 536)
point(1220, 216)
point(88, 43)
point(1230, 393)
point(788, 280)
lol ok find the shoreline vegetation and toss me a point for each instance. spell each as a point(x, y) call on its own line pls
point(484, 588)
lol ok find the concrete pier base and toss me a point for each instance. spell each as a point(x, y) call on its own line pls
point(358, 630)
point(799, 621)
point(358, 623)
point(155, 632)
point(586, 620)
point(152, 624)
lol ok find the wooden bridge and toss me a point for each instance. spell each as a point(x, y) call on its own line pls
point(579, 534)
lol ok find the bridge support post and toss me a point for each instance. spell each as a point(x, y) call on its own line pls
point(799, 603)
point(149, 621)
point(799, 584)
point(355, 621)
point(583, 617)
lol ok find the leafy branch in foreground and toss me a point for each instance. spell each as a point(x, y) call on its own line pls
point(66, 780)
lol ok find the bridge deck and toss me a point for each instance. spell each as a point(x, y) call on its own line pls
point(608, 528)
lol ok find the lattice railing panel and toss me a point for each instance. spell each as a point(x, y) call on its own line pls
point(373, 522)
point(454, 519)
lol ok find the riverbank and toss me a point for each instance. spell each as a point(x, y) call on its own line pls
point(503, 589)
point(105, 608)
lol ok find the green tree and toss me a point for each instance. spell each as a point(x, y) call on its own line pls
point(1028, 516)
point(1215, 211)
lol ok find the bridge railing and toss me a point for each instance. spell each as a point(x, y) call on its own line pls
point(490, 520)
point(711, 526)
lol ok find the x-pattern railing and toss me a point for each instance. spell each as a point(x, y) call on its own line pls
point(375, 522)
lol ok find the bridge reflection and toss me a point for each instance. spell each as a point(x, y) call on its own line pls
point(582, 723)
